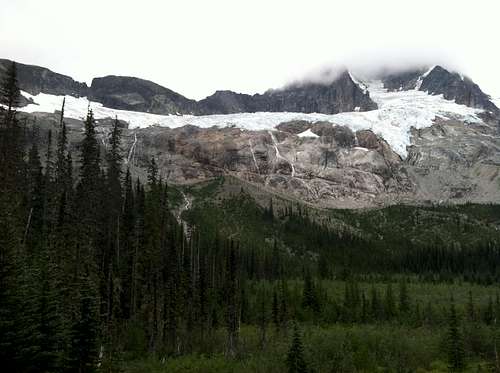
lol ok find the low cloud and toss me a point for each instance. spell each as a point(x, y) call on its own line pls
point(374, 64)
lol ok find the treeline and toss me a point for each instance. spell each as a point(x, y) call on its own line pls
point(302, 242)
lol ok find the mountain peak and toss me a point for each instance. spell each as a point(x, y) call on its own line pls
point(437, 80)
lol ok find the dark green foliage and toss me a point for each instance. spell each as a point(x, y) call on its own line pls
point(309, 296)
point(404, 299)
point(232, 302)
point(295, 360)
point(84, 331)
point(455, 349)
point(9, 89)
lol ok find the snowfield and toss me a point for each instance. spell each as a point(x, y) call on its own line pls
point(398, 112)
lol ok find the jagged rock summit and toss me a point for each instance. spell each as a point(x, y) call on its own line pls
point(437, 80)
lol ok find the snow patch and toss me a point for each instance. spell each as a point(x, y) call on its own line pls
point(421, 77)
point(397, 113)
point(308, 133)
point(359, 83)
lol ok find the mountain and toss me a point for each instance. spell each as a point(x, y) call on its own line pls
point(36, 79)
point(423, 136)
point(341, 95)
point(439, 81)
point(134, 94)
point(127, 93)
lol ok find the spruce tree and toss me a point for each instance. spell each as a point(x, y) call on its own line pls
point(455, 348)
point(470, 308)
point(231, 291)
point(61, 150)
point(84, 330)
point(9, 89)
point(404, 299)
point(88, 189)
point(309, 295)
point(389, 303)
point(13, 221)
point(114, 172)
point(262, 317)
point(275, 310)
point(33, 234)
point(295, 360)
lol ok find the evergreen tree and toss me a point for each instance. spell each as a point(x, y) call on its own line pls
point(89, 187)
point(202, 297)
point(455, 348)
point(309, 295)
point(389, 303)
point(33, 235)
point(84, 331)
point(50, 333)
point(404, 300)
point(61, 151)
point(262, 318)
point(152, 173)
point(375, 304)
point(295, 360)
point(275, 310)
point(12, 325)
point(489, 312)
point(231, 291)
point(9, 89)
point(469, 308)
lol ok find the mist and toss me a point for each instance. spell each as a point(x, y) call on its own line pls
point(197, 47)
point(373, 65)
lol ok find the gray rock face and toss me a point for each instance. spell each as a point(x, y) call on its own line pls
point(449, 162)
point(228, 102)
point(455, 87)
point(35, 79)
point(127, 93)
point(402, 81)
point(339, 96)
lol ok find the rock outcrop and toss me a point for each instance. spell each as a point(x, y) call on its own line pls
point(454, 86)
point(36, 79)
point(127, 93)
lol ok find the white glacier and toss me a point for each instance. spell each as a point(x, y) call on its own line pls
point(397, 112)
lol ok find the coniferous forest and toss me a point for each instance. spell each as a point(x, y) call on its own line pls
point(99, 273)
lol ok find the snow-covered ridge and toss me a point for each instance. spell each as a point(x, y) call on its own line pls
point(397, 113)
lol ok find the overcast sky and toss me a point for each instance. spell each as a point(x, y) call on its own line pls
point(197, 47)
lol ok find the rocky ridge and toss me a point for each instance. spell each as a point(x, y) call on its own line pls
point(129, 93)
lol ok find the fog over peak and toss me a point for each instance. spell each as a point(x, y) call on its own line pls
point(374, 65)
